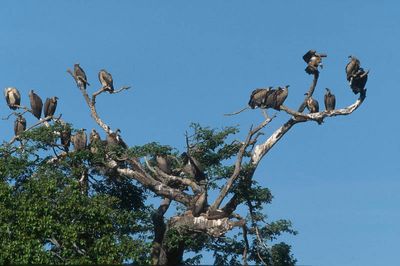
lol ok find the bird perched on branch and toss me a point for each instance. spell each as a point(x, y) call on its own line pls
point(13, 97)
point(50, 106)
point(359, 80)
point(262, 98)
point(192, 167)
point(352, 68)
point(280, 96)
point(163, 164)
point(312, 104)
point(65, 136)
point(313, 60)
point(79, 140)
point(329, 100)
point(36, 104)
point(106, 81)
point(19, 125)
point(94, 141)
point(80, 76)
point(114, 139)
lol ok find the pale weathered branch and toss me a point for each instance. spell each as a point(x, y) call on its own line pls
point(238, 163)
point(319, 117)
point(138, 174)
point(103, 89)
point(310, 92)
point(214, 228)
point(92, 106)
point(167, 178)
point(156, 186)
point(261, 150)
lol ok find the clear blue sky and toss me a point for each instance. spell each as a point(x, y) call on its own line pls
point(193, 61)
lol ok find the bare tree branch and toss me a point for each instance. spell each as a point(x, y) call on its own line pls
point(92, 106)
point(102, 89)
point(238, 163)
point(167, 178)
point(260, 150)
point(319, 117)
point(156, 186)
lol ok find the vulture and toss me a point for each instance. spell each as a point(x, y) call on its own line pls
point(281, 95)
point(79, 140)
point(163, 164)
point(192, 167)
point(312, 105)
point(313, 60)
point(359, 80)
point(80, 76)
point(106, 80)
point(257, 97)
point(352, 68)
point(329, 100)
point(50, 106)
point(19, 125)
point(65, 136)
point(36, 104)
point(262, 98)
point(13, 97)
point(114, 139)
point(94, 140)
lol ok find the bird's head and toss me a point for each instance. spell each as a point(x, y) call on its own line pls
point(328, 90)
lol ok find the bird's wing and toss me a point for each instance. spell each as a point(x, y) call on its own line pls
point(16, 122)
point(46, 107)
point(307, 57)
point(6, 96)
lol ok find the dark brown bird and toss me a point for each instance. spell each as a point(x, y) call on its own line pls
point(114, 139)
point(19, 125)
point(258, 97)
point(50, 106)
point(36, 104)
point(192, 167)
point(65, 137)
point(163, 164)
point(329, 100)
point(312, 105)
point(281, 95)
point(79, 140)
point(13, 97)
point(106, 80)
point(80, 76)
point(94, 141)
point(313, 60)
point(359, 80)
point(352, 68)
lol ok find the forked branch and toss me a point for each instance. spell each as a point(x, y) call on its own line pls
point(238, 163)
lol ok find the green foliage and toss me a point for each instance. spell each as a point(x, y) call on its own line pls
point(49, 216)
point(46, 217)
